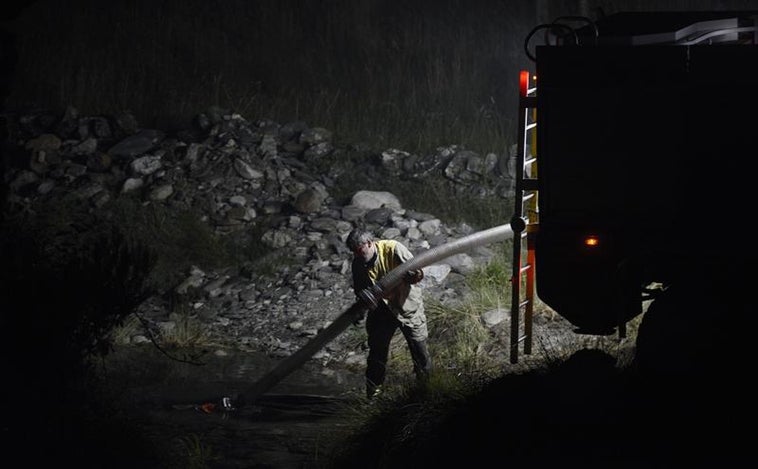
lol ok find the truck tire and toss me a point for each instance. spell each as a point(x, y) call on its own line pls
point(694, 330)
point(694, 369)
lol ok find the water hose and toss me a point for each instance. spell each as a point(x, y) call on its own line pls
point(366, 301)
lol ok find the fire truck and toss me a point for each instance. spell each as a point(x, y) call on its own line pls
point(635, 179)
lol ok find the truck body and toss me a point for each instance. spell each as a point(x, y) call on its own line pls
point(646, 137)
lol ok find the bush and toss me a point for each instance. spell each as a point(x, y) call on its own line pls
point(64, 287)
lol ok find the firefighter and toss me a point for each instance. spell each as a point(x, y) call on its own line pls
point(402, 308)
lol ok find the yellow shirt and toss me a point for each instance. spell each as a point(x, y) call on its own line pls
point(405, 299)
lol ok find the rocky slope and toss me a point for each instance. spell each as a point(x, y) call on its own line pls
point(273, 188)
point(267, 185)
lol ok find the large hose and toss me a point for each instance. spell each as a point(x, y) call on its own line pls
point(360, 307)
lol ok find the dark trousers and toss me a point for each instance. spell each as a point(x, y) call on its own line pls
point(381, 325)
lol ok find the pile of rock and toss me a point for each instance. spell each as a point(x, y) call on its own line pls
point(233, 172)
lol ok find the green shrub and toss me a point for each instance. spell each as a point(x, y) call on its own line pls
point(179, 237)
point(65, 287)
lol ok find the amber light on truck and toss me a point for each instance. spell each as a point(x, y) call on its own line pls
point(591, 241)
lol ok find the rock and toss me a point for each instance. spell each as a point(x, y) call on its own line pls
point(137, 144)
point(368, 200)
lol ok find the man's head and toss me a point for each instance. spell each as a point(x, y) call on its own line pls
point(361, 243)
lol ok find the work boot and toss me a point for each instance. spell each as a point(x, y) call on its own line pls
point(372, 391)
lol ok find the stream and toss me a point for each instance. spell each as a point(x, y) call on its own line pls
point(179, 404)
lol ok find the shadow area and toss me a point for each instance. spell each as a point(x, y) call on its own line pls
point(584, 413)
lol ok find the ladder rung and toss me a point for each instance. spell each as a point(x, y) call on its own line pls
point(529, 161)
point(526, 197)
point(521, 339)
point(523, 303)
point(524, 268)
point(531, 126)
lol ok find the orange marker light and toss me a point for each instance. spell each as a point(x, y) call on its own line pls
point(591, 241)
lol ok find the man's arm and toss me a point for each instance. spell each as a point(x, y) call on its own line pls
point(403, 254)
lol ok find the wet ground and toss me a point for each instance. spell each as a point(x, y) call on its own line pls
point(178, 406)
point(584, 408)
point(279, 431)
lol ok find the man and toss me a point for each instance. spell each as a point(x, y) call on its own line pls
point(402, 308)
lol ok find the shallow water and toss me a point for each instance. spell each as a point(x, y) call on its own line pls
point(285, 427)
point(145, 369)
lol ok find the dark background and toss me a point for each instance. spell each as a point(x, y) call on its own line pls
point(412, 75)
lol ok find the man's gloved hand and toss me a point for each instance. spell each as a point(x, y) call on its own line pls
point(414, 276)
point(371, 296)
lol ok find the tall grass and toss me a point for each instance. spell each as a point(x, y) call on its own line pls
point(180, 238)
point(413, 75)
point(410, 74)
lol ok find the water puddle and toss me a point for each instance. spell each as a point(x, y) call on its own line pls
point(284, 427)
point(192, 376)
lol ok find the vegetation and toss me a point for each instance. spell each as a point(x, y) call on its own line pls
point(198, 454)
point(67, 282)
point(79, 277)
point(180, 238)
point(413, 75)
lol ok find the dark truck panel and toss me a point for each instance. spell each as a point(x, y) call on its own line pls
point(651, 147)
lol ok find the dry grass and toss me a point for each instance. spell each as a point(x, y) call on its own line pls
point(413, 75)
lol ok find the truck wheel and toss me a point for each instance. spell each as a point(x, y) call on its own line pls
point(694, 371)
point(689, 333)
